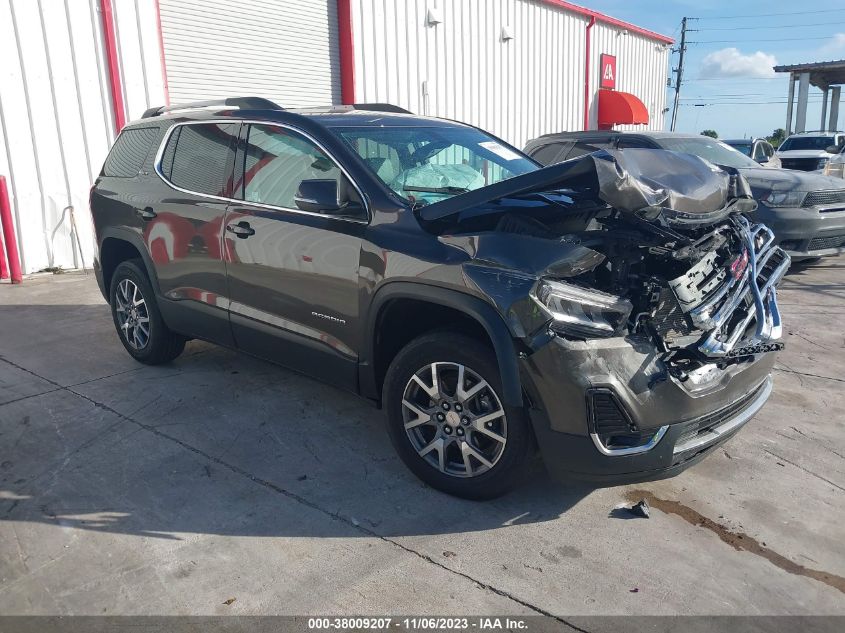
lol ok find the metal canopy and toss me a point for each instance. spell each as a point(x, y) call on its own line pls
point(822, 74)
point(827, 76)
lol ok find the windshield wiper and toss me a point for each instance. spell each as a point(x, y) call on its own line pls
point(436, 189)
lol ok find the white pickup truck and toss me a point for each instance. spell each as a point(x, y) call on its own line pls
point(810, 151)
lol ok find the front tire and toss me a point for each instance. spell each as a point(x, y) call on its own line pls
point(137, 318)
point(447, 421)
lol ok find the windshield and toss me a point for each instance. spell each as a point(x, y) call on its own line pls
point(428, 164)
point(807, 142)
point(745, 148)
point(710, 149)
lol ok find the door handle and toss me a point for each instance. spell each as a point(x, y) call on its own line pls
point(146, 213)
point(242, 229)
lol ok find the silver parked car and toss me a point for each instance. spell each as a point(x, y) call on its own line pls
point(757, 149)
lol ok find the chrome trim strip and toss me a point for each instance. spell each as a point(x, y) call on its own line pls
point(731, 425)
point(630, 450)
point(167, 135)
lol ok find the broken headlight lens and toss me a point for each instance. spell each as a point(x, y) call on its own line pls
point(581, 312)
point(785, 198)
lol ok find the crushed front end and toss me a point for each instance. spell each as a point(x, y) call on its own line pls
point(644, 306)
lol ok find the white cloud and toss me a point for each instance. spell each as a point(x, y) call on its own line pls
point(729, 62)
point(835, 46)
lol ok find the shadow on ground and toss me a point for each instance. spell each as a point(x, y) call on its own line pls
point(214, 443)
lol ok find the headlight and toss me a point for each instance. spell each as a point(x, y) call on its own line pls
point(580, 312)
point(822, 162)
point(784, 198)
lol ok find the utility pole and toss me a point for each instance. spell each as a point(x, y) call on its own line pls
point(679, 71)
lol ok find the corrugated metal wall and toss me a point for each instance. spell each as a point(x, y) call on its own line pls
point(641, 69)
point(284, 51)
point(462, 68)
point(56, 113)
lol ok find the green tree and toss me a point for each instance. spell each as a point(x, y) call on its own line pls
point(778, 136)
point(710, 133)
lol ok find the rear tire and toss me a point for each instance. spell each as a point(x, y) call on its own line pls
point(458, 438)
point(137, 317)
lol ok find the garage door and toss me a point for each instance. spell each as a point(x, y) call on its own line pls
point(286, 51)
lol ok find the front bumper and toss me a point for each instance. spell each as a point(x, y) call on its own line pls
point(805, 232)
point(690, 419)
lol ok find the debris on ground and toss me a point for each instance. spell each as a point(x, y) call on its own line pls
point(640, 509)
point(229, 601)
point(449, 554)
point(634, 590)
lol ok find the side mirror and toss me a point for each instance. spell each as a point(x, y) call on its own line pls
point(832, 149)
point(318, 196)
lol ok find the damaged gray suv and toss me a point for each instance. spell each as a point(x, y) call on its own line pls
point(618, 312)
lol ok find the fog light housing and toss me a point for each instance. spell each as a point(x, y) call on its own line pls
point(611, 428)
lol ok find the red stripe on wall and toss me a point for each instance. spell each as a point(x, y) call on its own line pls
point(601, 17)
point(113, 65)
point(161, 55)
point(347, 51)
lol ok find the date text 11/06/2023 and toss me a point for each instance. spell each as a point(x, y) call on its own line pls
point(417, 623)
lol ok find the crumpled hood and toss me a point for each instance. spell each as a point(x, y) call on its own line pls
point(763, 180)
point(629, 181)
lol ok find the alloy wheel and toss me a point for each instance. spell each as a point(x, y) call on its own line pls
point(454, 419)
point(132, 314)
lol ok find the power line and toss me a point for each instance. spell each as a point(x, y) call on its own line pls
point(735, 103)
point(777, 39)
point(734, 78)
point(766, 15)
point(778, 26)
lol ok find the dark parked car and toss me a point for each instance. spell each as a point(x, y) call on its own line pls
point(492, 307)
point(806, 211)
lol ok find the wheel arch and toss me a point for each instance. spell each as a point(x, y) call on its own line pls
point(482, 314)
point(118, 246)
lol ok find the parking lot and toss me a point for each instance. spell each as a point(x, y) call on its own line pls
point(221, 484)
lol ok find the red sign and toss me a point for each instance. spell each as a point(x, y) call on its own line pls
point(608, 71)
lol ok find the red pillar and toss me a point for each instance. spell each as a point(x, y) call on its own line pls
point(113, 64)
point(9, 233)
point(347, 52)
point(4, 268)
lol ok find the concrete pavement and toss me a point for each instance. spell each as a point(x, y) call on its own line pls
point(127, 489)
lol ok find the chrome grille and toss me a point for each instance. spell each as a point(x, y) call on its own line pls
point(742, 311)
point(824, 197)
point(831, 241)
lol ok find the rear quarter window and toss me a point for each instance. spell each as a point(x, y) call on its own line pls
point(129, 151)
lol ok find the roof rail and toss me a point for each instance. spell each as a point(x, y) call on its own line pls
point(244, 103)
point(380, 107)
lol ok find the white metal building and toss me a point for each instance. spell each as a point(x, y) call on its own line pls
point(74, 71)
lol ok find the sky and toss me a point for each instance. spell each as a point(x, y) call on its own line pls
point(729, 57)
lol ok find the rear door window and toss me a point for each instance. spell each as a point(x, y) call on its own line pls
point(634, 142)
point(547, 154)
point(587, 147)
point(129, 151)
point(198, 157)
